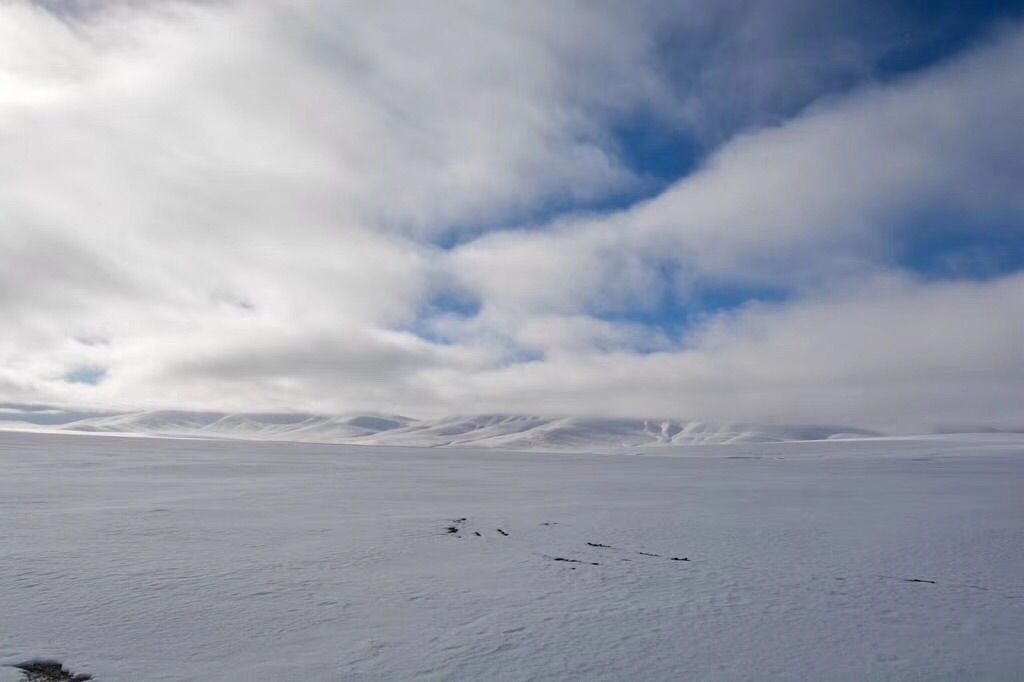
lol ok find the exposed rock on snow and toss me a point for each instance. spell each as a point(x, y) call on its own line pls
point(47, 670)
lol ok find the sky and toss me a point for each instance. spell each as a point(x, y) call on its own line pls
point(778, 212)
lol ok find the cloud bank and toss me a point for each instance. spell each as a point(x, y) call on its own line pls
point(430, 210)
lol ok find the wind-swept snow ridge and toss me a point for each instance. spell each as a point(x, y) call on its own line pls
point(505, 431)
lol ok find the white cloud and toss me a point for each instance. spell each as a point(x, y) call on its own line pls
point(830, 191)
point(887, 353)
point(232, 205)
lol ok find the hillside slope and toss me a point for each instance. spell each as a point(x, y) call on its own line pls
point(512, 432)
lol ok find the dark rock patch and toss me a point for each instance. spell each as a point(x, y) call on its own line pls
point(48, 670)
point(574, 561)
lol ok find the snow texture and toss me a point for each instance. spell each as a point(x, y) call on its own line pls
point(173, 559)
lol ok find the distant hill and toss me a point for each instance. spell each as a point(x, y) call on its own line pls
point(504, 431)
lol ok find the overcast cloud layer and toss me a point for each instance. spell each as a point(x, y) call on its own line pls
point(428, 208)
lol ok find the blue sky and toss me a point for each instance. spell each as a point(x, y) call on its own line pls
point(786, 212)
point(937, 245)
point(907, 37)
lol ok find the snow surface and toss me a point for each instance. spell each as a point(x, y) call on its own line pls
point(162, 559)
point(513, 432)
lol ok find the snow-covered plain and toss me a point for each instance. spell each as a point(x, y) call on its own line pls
point(160, 559)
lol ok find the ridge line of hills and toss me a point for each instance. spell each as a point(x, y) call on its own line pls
point(505, 431)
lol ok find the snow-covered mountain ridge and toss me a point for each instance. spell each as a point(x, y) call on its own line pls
point(513, 432)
